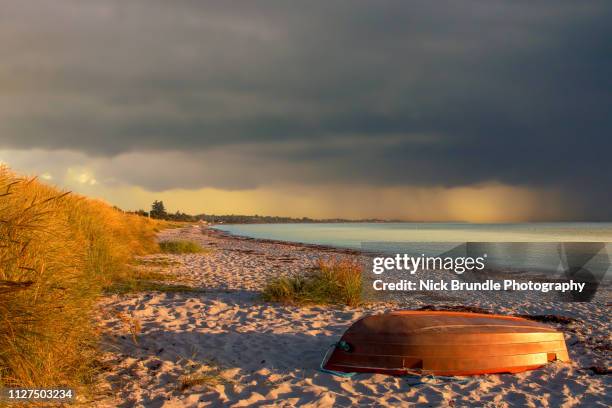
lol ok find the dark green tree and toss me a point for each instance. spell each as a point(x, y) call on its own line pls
point(158, 210)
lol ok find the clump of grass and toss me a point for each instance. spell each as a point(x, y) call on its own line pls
point(180, 247)
point(57, 253)
point(157, 262)
point(145, 281)
point(193, 380)
point(138, 285)
point(152, 275)
point(201, 374)
point(286, 289)
point(332, 281)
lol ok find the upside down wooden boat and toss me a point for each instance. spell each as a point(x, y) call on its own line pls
point(445, 343)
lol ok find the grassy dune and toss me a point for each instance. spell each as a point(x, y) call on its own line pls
point(58, 251)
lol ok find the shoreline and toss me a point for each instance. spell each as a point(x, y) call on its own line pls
point(322, 247)
point(519, 275)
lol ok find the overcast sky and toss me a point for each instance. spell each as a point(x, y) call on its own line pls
point(423, 110)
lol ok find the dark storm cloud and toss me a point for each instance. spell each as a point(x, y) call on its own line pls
point(398, 93)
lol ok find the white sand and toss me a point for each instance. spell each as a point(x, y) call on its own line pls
point(248, 352)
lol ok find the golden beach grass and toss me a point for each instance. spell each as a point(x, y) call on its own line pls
point(180, 247)
point(334, 280)
point(57, 252)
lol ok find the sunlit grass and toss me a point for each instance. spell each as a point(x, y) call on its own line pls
point(157, 262)
point(153, 275)
point(147, 279)
point(180, 247)
point(148, 282)
point(335, 281)
point(58, 251)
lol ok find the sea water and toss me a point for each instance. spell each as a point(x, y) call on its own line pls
point(352, 235)
point(526, 246)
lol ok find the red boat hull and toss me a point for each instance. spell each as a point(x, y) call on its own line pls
point(446, 343)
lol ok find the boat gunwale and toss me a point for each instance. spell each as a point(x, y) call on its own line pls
point(460, 344)
point(454, 313)
point(547, 330)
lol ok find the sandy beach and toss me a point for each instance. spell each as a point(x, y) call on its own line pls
point(221, 345)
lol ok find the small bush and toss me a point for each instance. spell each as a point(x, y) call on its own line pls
point(335, 281)
point(180, 247)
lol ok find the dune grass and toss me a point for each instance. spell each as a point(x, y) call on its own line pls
point(200, 373)
point(180, 247)
point(332, 281)
point(57, 253)
point(144, 281)
point(157, 262)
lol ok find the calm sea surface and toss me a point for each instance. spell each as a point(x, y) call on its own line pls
point(352, 235)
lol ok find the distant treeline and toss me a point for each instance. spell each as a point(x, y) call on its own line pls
point(158, 211)
point(266, 219)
